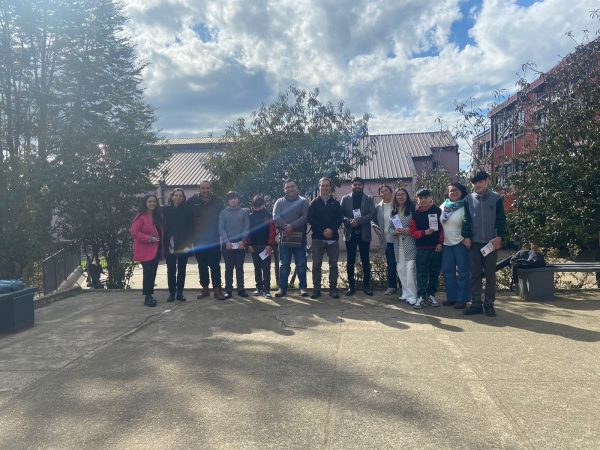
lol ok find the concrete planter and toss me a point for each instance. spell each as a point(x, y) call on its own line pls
point(16, 310)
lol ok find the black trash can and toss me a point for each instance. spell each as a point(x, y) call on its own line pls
point(16, 310)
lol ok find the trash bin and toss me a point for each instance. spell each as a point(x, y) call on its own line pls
point(16, 310)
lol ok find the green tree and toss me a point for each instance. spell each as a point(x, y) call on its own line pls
point(297, 136)
point(32, 51)
point(85, 128)
point(437, 180)
point(557, 193)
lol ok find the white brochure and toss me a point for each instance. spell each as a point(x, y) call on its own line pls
point(396, 221)
point(433, 222)
point(235, 245)
point(264, 254)
point(357, 214)
point(489, 248)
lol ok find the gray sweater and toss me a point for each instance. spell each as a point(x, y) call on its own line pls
point(233, 225)
point(293, 212)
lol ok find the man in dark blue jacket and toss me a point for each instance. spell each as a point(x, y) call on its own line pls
point(325, 217)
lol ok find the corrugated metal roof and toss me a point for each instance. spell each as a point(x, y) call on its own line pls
point(394, 153)
point(393, 158)
point(192, 140)
point(185, 168)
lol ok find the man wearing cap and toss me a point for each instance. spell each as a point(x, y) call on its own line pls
point(485, 224)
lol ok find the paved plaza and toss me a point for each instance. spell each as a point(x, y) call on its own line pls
point(100, 370)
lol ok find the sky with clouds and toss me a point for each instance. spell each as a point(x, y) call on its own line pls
point(405, 62)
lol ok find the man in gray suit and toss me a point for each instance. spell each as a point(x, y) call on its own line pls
point(358, 209)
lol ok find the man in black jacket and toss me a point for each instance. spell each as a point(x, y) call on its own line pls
point(325, 217)
point(358, 209)
point(207, 243)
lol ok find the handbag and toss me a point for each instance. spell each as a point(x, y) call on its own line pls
point(294, 239)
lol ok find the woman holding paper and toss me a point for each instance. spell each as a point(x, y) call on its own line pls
point(404, 244)
point(455, 257)
point(147, 230)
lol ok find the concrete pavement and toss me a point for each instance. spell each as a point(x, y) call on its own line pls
point(101, 371)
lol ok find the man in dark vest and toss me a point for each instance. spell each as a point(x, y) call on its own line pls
point(483, 232)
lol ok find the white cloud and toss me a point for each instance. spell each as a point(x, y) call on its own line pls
point(397, 60)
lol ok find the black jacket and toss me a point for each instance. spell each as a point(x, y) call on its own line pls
point(206, 220)
point(179, 225)
point(323, 215)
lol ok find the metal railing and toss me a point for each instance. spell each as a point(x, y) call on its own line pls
point(57, 267)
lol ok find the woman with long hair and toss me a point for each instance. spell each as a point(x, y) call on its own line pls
point(455, 257)
point(179, 232)
point(404, 245)
point(147, 230)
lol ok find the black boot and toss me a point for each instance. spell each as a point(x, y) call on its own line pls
point(149, 301)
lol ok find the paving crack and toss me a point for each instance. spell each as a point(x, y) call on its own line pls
point(89, 354)
point(284, 324)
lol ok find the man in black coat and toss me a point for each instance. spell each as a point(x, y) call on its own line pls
point(358, 209)
point(207, 244)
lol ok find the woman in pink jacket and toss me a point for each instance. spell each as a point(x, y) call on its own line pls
point(147, 230)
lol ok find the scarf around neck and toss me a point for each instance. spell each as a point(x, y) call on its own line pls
point(449, 207)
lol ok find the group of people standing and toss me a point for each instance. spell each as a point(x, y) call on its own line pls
point(458, 238)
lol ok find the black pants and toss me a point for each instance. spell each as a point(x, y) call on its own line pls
point(482, 266)
point(390, 258)
point(149, 274)
point(209, 258)
point(234, 259)
point(363, 248)
point(176, 266)
point(262, 269)
point(429, 263)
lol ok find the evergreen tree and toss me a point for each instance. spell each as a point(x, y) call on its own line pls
point(87, 126)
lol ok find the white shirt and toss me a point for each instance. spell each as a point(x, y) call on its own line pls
point(453, 227)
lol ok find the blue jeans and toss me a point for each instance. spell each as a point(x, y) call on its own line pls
point(455, 258)
point(285, 261)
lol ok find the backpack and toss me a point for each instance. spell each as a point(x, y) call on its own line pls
point(527, 258)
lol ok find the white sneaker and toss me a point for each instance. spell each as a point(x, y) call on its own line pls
point(432, 301)
point(403, 296)
point(419, 303)
point(389, 291)
point(411, 301)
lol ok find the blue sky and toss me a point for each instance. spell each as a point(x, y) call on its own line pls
point(405, 62)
